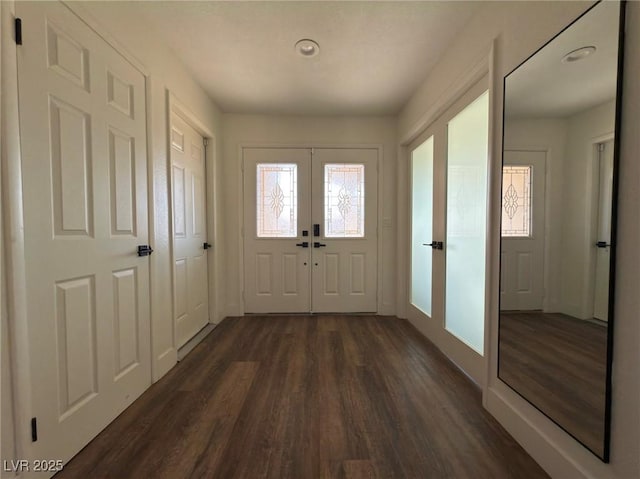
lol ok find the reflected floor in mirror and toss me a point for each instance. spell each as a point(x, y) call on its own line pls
point(558, 363)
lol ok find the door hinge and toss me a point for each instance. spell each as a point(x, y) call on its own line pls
point(34, 429)
point(312, 152)
point(205, 141)
point(600, 147)
point(18, 30)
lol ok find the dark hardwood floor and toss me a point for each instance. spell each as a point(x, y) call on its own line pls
point(308, 397)
point(558, 363)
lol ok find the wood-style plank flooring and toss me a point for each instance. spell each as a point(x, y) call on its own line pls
point(558, 363)
point(308, 397)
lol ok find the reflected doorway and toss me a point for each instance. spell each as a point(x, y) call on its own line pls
point(603, 236)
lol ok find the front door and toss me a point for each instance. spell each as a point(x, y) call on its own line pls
point(523, 206)
point(310, 231)
point(190, 277)
point(83, 142)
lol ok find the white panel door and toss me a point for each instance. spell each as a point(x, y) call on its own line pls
point(190, 277)
point(603, 240)
point(277, 208)
point(82, 121)
point(523, 206)
point(345, 250)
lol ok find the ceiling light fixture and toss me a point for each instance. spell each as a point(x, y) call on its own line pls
point(578, 54)
point(307, 48)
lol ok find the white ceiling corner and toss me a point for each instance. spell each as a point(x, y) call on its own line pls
point(373, 55)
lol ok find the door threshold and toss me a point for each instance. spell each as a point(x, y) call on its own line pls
point(193, 342)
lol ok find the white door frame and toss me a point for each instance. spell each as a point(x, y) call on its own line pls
point(174, 105)
point(13, 221)
point(594, 166)
point(240, 201)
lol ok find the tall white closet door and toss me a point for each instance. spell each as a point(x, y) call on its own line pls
point(82, 120)
point(190, 246)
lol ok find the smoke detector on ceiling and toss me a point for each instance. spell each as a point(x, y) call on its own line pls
point(578, 54)
point(307, 48)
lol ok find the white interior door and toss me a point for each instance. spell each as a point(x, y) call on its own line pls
point(345, 243)
point(82, 122)
point(422, 246)
point(294, 264)
point(603, 244)
point(448, 230)
point(523, 207)
point(277, 208)
point(190, 246)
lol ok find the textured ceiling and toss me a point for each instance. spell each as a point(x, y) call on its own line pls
point(373, 54)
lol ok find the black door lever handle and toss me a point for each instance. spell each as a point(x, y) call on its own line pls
point(144, 250)
point(304, 244)
point(434, 244)
point(206, 245)
point(316, 244)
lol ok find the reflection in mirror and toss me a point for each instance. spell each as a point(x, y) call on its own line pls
point(557, 208)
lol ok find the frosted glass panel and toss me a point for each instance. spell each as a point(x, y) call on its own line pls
point(344, 200)
point(421, 225)
point(277, 200)
point(516, 201)
point(467, 161)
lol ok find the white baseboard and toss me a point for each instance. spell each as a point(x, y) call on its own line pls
point(193, 342)
point(554, 450)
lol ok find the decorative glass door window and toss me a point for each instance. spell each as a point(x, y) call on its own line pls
point(516, 201)
point(277, 200)
point(344, 200)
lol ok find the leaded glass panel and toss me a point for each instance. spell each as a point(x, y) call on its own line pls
point(277, 200)
point(344, 200)
point(516, 201)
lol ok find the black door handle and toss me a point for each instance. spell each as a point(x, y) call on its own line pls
point(602, 244)
point(434, 244)
point(316, 244)
point(144, 250)
point(304, 244)
point(206, 246)
point(316, 229)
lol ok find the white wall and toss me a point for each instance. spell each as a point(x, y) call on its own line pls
point(520, 28)
point(305, 131)
point(7, 451)
point(10, 227)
